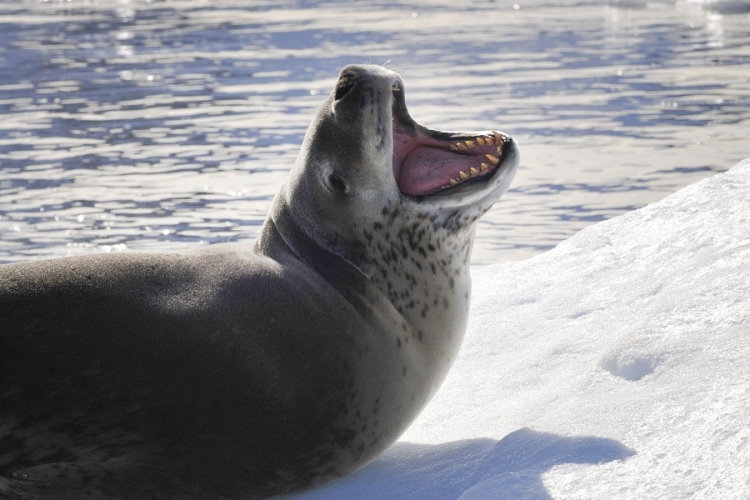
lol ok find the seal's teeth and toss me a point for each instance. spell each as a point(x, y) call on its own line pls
point(471, 143)
point(496, 139)
point(462, 176)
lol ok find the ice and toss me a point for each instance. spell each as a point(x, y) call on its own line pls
point(616, 365)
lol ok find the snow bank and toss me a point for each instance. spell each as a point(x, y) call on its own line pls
point(615, 366)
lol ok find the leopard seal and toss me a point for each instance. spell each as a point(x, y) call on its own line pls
point(242, 371)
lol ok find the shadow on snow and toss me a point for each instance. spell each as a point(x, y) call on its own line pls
point(511, 468)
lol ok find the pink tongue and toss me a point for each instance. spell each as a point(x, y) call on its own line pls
point(427, 170)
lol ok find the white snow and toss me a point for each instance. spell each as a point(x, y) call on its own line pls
point(616, 366)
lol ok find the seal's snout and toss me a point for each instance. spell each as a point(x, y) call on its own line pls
point(372, 80)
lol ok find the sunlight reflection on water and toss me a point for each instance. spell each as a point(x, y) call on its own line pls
point(165, 125)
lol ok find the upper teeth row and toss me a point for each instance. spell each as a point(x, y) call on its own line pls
point(487, 140)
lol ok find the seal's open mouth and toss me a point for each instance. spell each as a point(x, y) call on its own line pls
point(427, 161)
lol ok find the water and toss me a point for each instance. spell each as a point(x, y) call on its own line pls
point(170, 124)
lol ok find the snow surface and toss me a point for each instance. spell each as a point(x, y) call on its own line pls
point(616, 366)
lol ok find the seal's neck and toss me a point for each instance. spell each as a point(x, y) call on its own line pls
point(402, 264)
point(282, 238)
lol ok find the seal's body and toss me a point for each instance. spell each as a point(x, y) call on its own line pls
point(238, 371)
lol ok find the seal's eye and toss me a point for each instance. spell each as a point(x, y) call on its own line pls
point(336, 183)
point(343, 88)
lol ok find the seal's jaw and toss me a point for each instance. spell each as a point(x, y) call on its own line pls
point(429, 162)
point(426, 165)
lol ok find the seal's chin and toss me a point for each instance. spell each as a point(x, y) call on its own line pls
point(427, 162)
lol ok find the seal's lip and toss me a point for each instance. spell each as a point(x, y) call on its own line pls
point(429, 162)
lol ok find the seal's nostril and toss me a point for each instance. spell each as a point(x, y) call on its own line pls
point(346, 83)
point(337, 182)
point(343, 89)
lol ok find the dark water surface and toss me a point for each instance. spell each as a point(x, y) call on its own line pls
point(137, 124)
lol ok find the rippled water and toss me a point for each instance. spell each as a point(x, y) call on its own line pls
point(169, 124)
